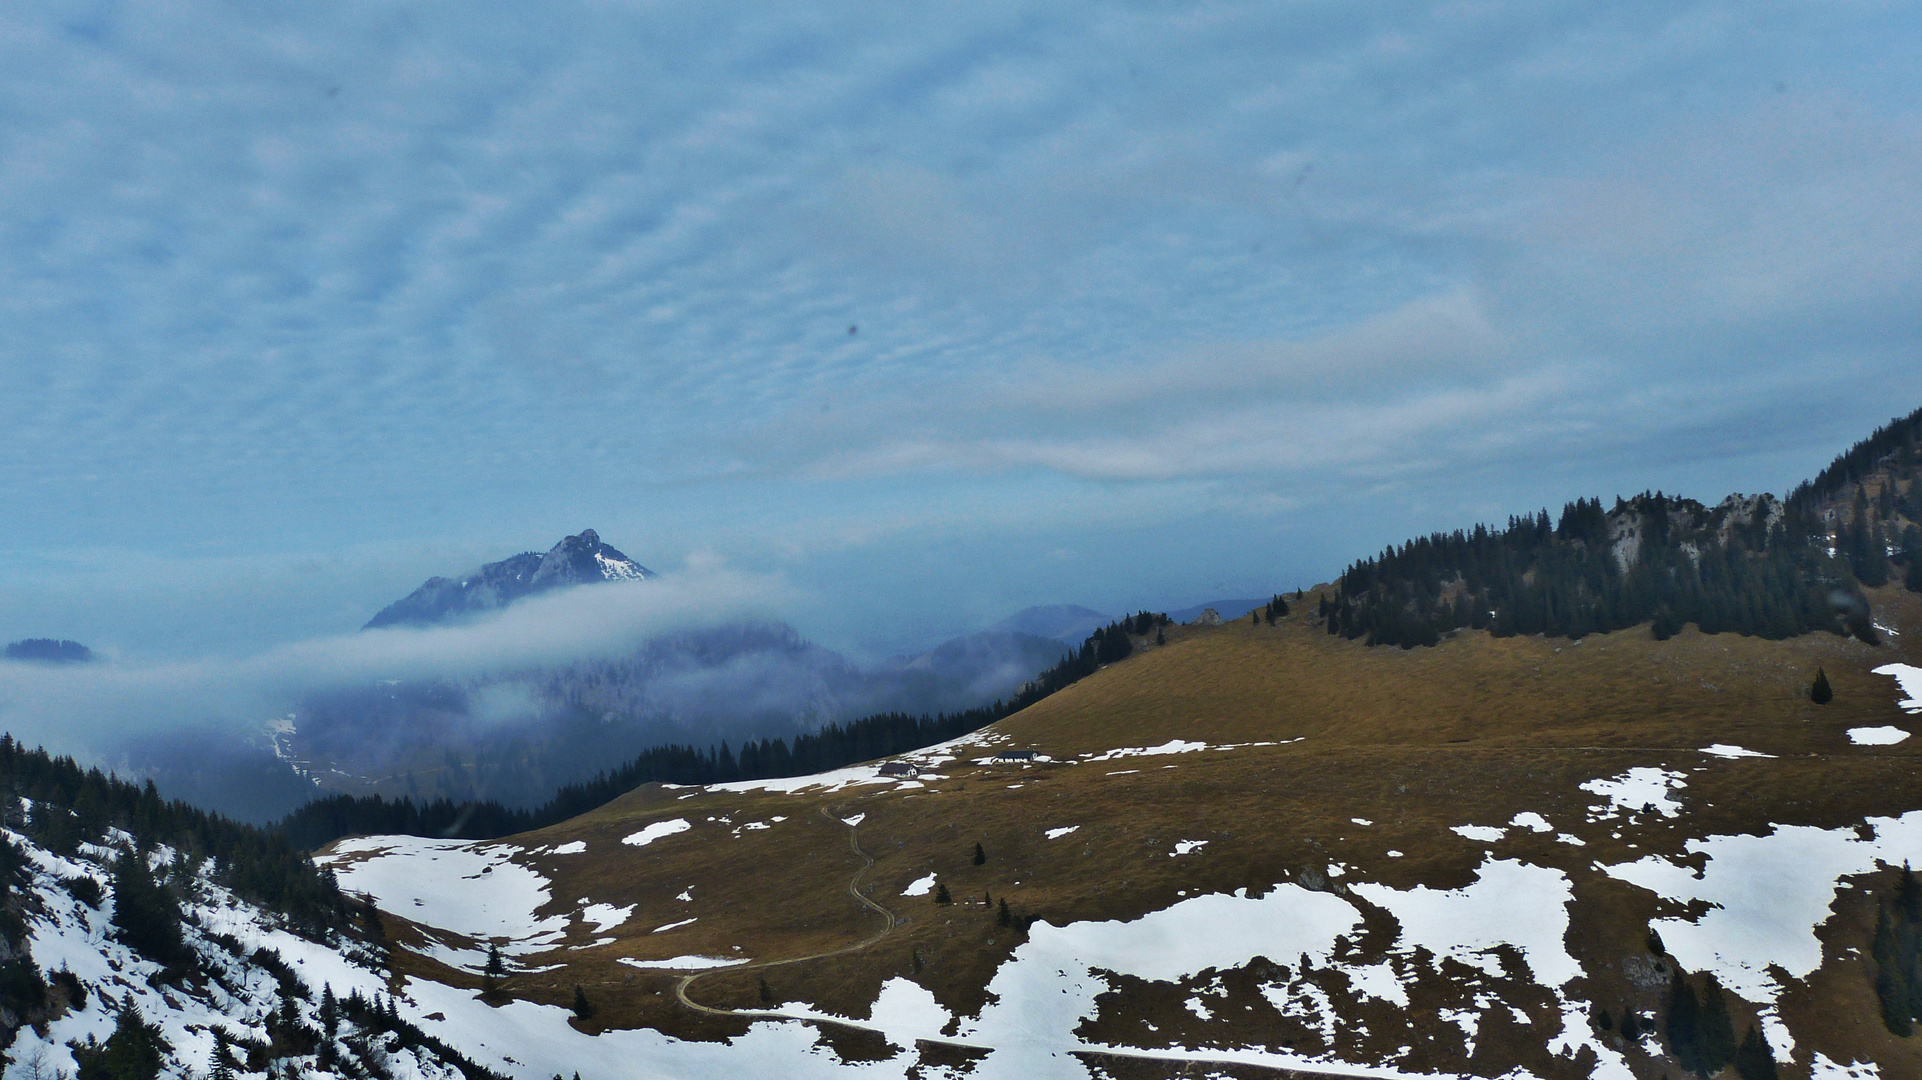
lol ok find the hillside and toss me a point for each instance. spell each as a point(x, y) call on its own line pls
point(1443, 860)
point(141, 938)
point(1749, 564)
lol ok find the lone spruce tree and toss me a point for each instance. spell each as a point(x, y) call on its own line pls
point(583, 1008)
point(941, 894)
point(980, 856)
point(496, 968)
point(1819, 691)
point(1753, 1059)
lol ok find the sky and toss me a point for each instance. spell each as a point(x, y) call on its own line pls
point(917, 313)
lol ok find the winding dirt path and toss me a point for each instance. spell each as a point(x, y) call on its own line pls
point(682, 984)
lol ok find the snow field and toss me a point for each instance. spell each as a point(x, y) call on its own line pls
point(1767, 896)
point(467, 888)
point(919, 886)
point(1056, 834)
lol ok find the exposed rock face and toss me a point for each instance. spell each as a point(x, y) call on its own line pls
point(576, 560)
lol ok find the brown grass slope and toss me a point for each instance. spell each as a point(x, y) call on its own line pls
point(1473, 731)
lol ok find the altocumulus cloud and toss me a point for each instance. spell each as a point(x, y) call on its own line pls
point(303, 278)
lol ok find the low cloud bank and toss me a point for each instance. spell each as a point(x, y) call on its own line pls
point(91, 711)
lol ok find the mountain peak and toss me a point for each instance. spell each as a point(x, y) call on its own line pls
point(577, 560)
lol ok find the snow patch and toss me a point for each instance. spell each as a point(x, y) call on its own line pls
point(1486, 834)
point(1636, 790)
point(572, 848)
point(606, 917)
point(683, 962)
point(1183, 847)
point(919, 886)
point(1530, 820)
point(1725, 750)
point(1876, 736)
point(655, 831)
point(1909, 679)
point(1056, 834)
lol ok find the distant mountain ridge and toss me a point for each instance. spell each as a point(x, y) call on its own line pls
point(577, 560)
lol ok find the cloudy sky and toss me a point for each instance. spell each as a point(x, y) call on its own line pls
point(924, 312)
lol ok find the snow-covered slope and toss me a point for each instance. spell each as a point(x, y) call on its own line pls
point(246, 981)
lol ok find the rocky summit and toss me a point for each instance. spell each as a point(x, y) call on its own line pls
point(576, 560)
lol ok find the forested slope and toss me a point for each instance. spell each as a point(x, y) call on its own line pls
point(1755, 565)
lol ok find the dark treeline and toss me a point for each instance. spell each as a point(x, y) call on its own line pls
point(1897, 948)
point(830, 747)
point(71, 805)
point(49, 650)
point(1761, 567)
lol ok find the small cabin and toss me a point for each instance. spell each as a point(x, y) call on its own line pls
point(900, 768)
point(1015, 755)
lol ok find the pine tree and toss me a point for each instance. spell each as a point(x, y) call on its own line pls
point(287, 1016)
point(1819, 691)
point(496, 968)
point(221, 1066)
point(941, 895)
point(1754, 1060)
point(980, 856)
point(1162, 638)
point(1912, 578)
point(1599, 1017)
point(583, 1008)
point(1003, 917)
point(768, 997)
point(1655, 943)
point(1718, 1032)
point(1684, 1030)
point(135, 1050)
point(145, 914)
point(329, 1012)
